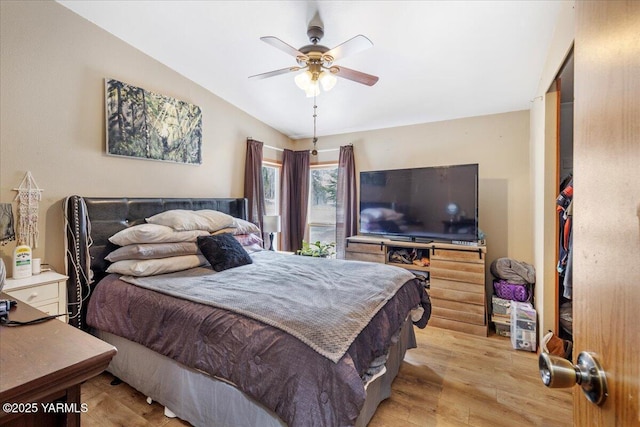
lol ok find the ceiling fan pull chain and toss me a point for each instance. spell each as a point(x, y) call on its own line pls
point(315, 139)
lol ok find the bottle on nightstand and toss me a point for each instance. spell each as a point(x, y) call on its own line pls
point(21, 262)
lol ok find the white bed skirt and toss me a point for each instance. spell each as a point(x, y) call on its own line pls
point(205, 401)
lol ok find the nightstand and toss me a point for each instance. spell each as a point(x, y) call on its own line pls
point(46, 291)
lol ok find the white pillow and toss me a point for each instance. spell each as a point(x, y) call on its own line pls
point(248, 239)
point(240, 226)
point(153, 251)
point(245, 227)
point(150, 267)
point(153, 233)
point(254, 247)
point(183, 220)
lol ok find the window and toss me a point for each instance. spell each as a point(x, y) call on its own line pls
point(322, 203)
point(271, 181)
point(322, 199)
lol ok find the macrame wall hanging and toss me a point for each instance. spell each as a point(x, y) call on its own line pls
point(29, 195)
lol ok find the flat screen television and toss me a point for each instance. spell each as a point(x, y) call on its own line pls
point(421, 204)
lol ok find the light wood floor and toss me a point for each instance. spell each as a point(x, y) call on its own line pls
point(451, 379)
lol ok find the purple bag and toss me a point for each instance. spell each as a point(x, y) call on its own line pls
point(512, 291)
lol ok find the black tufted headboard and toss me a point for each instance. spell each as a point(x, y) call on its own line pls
point(90, 221)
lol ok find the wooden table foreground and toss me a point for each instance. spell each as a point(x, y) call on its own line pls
point(42, 367)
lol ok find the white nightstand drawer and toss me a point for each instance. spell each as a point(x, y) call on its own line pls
point(46, 291)
point(51, 308)
point(36, 294)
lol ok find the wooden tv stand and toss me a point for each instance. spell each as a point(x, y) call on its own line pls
point(456, 276)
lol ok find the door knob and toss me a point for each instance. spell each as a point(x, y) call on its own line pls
point(557, 372)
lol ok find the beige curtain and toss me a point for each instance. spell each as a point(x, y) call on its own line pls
point(346, 199)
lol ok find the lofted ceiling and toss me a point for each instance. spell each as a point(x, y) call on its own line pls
point(436, 60)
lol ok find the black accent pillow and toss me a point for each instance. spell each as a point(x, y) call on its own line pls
point(223, 251)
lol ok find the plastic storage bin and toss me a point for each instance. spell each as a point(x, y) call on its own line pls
point(523, 326)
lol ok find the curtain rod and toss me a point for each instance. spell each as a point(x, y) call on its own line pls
point(282, 149)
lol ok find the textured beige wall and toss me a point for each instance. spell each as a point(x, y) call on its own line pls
point(498, 143)
point(53, 66)
point(52, 113)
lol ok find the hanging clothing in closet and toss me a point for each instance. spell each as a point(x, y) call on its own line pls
point(564, 208)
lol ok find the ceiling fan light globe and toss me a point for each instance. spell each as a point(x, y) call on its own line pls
point(328, 81)
point(313, 89)
point(303, 80)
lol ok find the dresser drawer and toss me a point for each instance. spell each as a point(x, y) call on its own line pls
point(459, 271)
point(455, 325)
point(362, 256)
point(36, 294)
point(473, 256)
point(359, 251)
point(455, 285)
point(459, 296)
point(368, 248)
point(465, 316)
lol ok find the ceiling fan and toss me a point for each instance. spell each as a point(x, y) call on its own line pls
point(317, 61)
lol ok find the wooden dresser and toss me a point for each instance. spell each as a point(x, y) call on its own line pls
point(456, 275)
point(42, 367)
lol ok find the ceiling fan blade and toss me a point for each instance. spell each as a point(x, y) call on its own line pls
point(350, 47)
point(356, 76)
point(275, 73)
point(279, 44)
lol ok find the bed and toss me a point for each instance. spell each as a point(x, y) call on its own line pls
point(214, 365)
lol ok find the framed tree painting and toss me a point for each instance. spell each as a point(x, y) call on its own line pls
point(146, 125)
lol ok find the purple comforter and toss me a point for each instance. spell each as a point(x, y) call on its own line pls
point(275, 368)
